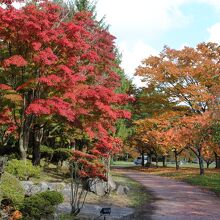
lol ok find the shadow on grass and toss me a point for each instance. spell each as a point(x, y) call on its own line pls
point(55, 175)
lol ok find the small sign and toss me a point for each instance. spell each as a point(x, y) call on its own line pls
point(105, 211)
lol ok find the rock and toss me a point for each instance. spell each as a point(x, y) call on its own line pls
point(44, 186)
point(35, 189)
point(126, 188)
point(98, 187)
point(30, 188)
point(27, 185)
point(122, 190)
point(101, 188)
point(56, 186)
point(111, 183)
point(66, 191)
point(3, 215)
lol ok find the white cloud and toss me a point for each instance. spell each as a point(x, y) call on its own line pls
point(214, 32)
point(135, 22)
point(148, 17)
point(132, 57)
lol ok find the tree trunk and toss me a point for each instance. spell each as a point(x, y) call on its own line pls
point(23, 152)
point(38, 136)
point(207, 164)
point(23, 142)
point(26, 121)
point(217, 161)
point(164, 161)
point(176, 160)
point(149, 160)
point(142, 159)
point(201, 163)
point(126, 156)
point(156, 157)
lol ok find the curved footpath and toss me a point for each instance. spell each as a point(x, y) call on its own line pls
point(174, 200)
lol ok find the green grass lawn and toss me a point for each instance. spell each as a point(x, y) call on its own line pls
point(122, 164)
point(210, 181)
point(137, 195)
point(131, 164)
point(193, 165)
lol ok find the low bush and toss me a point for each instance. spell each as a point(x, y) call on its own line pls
point(23, 169)
point(41, 204)
point(46, 152)
point(11, 189)
point(53, 197)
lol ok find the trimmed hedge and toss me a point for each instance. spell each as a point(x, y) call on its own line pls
point(41, 204)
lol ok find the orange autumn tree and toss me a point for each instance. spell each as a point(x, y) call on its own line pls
point(186, 75)
point(150, 131)
point(192, 132)
point(168, 136)
point(145, 140)
point(189, 76)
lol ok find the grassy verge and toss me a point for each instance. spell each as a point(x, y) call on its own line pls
point(122, 164)
point(136, 196)
point(210, 181)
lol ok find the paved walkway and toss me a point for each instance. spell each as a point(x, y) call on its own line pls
point(177, 200)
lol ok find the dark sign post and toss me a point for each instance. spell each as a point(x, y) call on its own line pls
point(104, 212)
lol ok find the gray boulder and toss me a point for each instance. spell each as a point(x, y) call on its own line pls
point(98, 187)
point(56, 186)
point(122, 190)
point(35, 189)
point(27, 185)
point(44, 186)
point(111, 183)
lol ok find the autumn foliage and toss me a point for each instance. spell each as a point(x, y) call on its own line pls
point(57, 71)
point(190, 79)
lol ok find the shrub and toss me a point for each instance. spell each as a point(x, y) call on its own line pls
point(35, 206)
point(10, 188)
point(61, 154)
point(41, 204)
point(53, 197)
point(23, 169)
point(46, 152)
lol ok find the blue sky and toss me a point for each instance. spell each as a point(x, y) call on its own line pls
point(143, 27)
